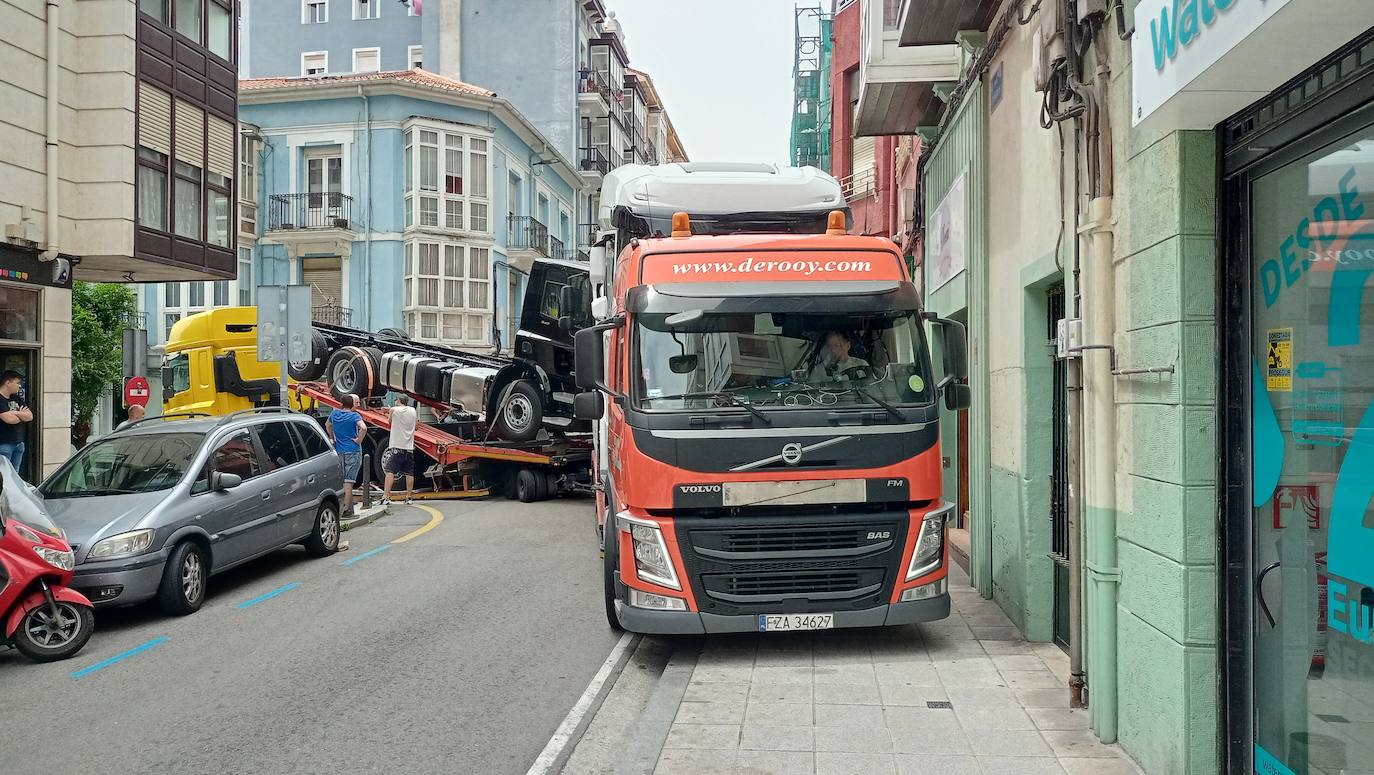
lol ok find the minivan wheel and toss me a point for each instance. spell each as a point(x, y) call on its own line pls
point(324, 539)
point(183, 580)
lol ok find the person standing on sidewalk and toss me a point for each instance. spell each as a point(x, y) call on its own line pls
point(347, 429)
point(14, 412)
point(400, 453)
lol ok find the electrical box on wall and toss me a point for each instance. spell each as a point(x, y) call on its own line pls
point(1069, 338)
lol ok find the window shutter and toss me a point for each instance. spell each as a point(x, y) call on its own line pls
point(863, 156)
point(221, 147)
point(154, 118)
point(190, 140)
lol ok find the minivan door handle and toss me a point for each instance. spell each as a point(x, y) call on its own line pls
point(266, 495)
point(310, 479)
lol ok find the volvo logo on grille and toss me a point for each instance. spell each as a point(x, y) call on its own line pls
point(792, 453)
point(698, 488)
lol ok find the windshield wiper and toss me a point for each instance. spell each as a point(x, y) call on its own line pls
point(892, 410)
point(729, 398)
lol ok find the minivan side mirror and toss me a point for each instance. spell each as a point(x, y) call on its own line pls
point(589, 405)
point(223, 481)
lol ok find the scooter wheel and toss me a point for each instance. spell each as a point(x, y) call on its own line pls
point(43, 637)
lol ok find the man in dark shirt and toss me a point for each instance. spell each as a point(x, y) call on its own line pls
point(14, 412)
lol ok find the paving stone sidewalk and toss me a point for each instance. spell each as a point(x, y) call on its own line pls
point(965, 695)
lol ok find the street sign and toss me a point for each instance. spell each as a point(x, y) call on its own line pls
point(284, 323)
point(136, 392)
point(135, 352)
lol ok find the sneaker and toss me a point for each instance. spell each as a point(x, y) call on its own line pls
point(386, 502)
point(409, 501)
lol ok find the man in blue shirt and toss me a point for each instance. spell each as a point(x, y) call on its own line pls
point(347, 429)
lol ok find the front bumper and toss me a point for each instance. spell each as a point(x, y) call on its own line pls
point(125, 581)
point(692, 623)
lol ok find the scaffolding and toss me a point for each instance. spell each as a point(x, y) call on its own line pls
point(811, 87)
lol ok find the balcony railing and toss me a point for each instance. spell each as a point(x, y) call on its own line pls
point(590, 81)
point(593, 159)
point(555, 247)
point(330, 210)
point(332, 314)
point(859, 184)
point(527, 233)
point(586, 233)
point(571, 254)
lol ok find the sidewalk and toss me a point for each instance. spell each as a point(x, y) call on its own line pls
point(965, 695)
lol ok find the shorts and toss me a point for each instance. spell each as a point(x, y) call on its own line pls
point(352, 463)
point(400, 462)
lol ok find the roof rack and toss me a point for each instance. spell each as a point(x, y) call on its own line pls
point(137, 423)
point(256, 410)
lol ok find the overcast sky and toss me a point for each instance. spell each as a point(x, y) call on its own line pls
point(723, 68)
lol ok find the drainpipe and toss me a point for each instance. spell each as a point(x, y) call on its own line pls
point(54, 41)
point(1104, 577)
point(367, 234)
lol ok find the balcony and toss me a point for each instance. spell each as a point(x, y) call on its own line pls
point(897, 84)
point(527, 240)
point(932, 22)
point(593, 160)
point(311, 224)
point(586, 233)
point(331, 314)
point(859, 185)
point(594, 93)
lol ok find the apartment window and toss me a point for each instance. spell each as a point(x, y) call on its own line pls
point(314, 11)
point(367, 9)
point(315, 63)
point(154, 150)
point(248, 168)
point(219, 181)
point(188, 170)
point(221, 297)
point(219, 29)
point(447, 292)
point(196, 297)
point(367, 60)
point(171, 295)
point(445, 177)
point(411, 9)
point(154, 8)
point(245, 277)
point(187, 18)
point(415, 55)
point(168, 320)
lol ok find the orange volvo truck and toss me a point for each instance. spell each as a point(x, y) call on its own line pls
point(767, 417)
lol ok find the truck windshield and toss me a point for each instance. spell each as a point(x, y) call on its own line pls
point(121, 465)
point(782, 360)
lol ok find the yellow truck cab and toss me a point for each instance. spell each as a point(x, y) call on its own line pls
point(212, 364)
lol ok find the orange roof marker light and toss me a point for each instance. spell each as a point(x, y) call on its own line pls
point(835, 224)
point(682, 225)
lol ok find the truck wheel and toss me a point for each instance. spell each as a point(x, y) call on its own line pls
point(392, 333)
point(551, 485)
point(527, 486)
point(520, 416)
point(610, 553)
point(355, 370)
point(508, 487)
point(378, 386)
point(313, 369)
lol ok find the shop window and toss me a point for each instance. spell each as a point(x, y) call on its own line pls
point(18, 314)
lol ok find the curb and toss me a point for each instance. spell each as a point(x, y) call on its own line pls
point(655, 721)
point(365, 517)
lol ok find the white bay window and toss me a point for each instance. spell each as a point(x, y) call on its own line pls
point(447, 292)
point(446, 176)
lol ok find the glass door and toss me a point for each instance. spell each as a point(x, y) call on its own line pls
point(324, 182)
point(1312, 460)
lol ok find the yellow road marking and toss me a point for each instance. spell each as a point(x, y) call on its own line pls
point(434, 519)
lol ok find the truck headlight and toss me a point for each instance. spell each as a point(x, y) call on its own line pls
point(930, 544)
point(652, 562)
point(133, 542)
point(649, 600)
point(58, 559)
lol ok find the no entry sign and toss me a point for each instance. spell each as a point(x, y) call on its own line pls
point(136, 392)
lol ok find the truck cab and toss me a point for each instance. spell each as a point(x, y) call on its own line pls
point(768, 413)
point(211, 365)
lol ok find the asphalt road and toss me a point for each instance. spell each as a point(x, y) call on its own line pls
point(458, 651)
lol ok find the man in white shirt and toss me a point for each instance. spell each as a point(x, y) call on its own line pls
point(400, 453)
point(835, 358)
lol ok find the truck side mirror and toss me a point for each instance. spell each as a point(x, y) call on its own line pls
point(590, 405)
point(953, 346)
point(957, 396)
point(590, 362)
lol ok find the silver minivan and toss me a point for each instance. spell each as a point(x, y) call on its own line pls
point(153, 510)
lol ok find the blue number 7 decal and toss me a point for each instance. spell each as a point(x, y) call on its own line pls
point(1351, 544)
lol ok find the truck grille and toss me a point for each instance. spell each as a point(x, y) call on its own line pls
point(792, 564)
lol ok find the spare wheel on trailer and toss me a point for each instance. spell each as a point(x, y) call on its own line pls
point(313, 369)
point(356, 371)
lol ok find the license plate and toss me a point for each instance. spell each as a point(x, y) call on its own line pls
point(788, 622)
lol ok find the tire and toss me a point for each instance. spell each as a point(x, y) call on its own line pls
point(60, 638)
point(508, 488)
point(180, 594)
point(374, 359)
point(550, 485)
point(324, 538)
point(520, 415)
point(609, 559)
point(527, 486)
point(392, 333)
point(339, 371)
point(313, 369)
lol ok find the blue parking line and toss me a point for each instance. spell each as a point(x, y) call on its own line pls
point(269, 595)
point(117, 658)
point(366, 555)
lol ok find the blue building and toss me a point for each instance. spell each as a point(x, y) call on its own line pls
point(403, 199)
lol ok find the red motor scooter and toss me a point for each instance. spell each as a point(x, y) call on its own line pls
point(39, 614)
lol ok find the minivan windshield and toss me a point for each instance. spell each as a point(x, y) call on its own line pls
point(873, 360)
point(124, 464)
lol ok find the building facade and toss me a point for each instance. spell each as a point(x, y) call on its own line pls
point(1164, 467)
point(404, 200)
point(119, 162)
